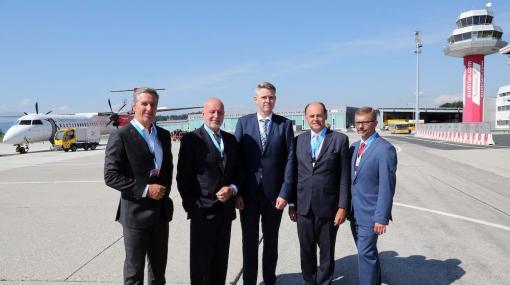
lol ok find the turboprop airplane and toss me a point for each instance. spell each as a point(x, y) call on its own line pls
point(37, 127)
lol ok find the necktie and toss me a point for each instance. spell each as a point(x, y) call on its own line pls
point(315, 146)
point(358, 155)
point(263, 137)
point(218, 138)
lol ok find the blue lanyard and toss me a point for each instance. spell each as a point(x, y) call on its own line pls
point(316, 143)
point(151, 140)
point(219, 147)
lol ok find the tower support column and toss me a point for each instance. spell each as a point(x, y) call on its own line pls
point(473, 88)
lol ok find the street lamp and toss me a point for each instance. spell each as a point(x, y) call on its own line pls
point(417, 51)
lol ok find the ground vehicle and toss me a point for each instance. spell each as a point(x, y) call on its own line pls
point(74, 138)
point(399, 126)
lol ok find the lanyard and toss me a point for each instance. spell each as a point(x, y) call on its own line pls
point(316, 142)
point(150, 140)
point(219, 146)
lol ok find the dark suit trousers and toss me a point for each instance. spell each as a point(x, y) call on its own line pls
point(369, 268)
point(312, 232)
point(271, 218)
point(209, 247)
point(139, 243)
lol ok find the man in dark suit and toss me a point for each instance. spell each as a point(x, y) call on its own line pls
point(322, 196)
point(207, 173)
point(267, 148)
point(138, 163)
point(373, 176)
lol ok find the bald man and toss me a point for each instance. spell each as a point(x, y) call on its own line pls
point(207, 175)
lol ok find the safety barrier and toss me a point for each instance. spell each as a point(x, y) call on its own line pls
point(466, 133)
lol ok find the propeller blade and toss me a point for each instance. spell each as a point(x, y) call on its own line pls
point(121, 108)
point(25, 113)
point(110, 104)
point(48, 112)
point(36, 108)
point(108, 123)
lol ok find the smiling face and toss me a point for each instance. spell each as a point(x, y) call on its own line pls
point(365, 125)
point(316, 117)
point(213, 114)
point(265, 100)
point(145, 108)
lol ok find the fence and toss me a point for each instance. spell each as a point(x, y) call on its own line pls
point(466, 133)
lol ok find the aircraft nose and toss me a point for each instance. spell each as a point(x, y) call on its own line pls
point(13, 136)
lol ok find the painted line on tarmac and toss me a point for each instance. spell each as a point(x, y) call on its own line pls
point(454, 216)
point(448, 143)
point(50, 182)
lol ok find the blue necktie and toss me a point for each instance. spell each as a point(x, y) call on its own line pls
point(263, 137)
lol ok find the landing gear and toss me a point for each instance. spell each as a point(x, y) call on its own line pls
point(22, 149)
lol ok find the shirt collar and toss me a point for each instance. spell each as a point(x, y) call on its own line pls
point(141, 127)
point(259, 117)
point(211, 131)
point(322, 132)
point(370, 139)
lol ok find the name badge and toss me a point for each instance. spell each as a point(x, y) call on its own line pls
point(154, 172)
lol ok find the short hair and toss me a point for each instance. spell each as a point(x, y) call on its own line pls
point(147, 90)
point(367, 110)
point(266, 85)
point(322, 105)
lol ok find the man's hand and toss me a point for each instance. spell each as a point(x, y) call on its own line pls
point(292, 214)
point(340, 216)
point(239, 203)
point(156, 191)
point(379, 228)
point(224, 194)
point(280, 203)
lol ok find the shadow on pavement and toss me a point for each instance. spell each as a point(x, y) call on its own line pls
point(415, 270)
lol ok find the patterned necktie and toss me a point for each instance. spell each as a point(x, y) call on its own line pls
point(358, 155)
point(218, 138)
point(263, 136)
point(315, 146)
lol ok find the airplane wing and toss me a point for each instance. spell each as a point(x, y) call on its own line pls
point(165, 109)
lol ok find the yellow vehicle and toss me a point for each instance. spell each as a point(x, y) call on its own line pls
point(399, 126)
point(74, 138)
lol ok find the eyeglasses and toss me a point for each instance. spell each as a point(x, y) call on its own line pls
point(364, 123)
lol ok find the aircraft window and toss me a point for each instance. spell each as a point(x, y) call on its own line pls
point(24, 122)
point(37, 122)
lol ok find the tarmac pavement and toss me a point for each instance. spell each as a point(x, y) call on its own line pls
point(451, 222)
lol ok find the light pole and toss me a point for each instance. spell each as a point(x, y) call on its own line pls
point(417, 51)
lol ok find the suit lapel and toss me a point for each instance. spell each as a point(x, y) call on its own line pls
point(353, 160)
point(139, 141)
point(256, 131)
point(210, 145)
point(325, 144)
point(367, 154)
point(307, 147)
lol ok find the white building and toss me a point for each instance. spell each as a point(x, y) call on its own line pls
point(503, 107)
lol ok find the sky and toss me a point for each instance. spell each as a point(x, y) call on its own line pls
point(68, 55)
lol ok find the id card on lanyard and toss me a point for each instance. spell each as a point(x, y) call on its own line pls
point(151, 143)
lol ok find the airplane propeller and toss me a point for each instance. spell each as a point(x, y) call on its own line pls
point(37, 110)
point(114, 116)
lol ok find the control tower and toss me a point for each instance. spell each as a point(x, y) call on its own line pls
point(473, 39)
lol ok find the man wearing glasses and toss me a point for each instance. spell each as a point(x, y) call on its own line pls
point(373, 179)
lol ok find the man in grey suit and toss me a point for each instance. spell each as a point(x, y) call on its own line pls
point(266, 142)
point(138, 163)
point(322, 197)
point(373, 176)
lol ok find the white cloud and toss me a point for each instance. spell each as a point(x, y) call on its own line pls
point(26, 102)
point(447, 98)
point(64, 109)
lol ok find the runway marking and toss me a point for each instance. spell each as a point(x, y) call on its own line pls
point(454, 216)
point(51, 182)
point(451, 143)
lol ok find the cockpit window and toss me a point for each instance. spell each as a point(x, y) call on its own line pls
point(37, 122)
point(24, 122)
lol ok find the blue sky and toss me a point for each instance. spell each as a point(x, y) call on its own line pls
point(67, 55)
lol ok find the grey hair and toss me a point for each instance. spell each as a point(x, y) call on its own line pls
point(266, 85)
point(148, 90)
point(367, 110)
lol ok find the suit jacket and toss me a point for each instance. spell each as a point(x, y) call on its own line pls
point(324, 187)
point(271, 168)
point(201, 172)
point(127, 165)
point(373, 185)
